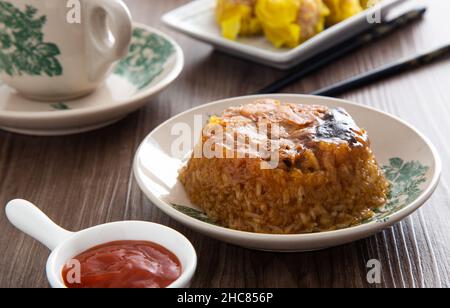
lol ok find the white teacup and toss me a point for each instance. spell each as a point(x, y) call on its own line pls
point(61, 49)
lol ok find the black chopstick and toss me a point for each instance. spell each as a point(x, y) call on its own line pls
point(343, 49)
point(385, 72)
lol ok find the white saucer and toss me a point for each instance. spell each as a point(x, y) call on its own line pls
point(154, 62)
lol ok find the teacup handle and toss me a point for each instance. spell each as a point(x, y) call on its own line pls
point(101, 53)
point(29, 219)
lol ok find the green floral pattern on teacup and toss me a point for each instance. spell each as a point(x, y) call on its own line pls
point(145, 61)
point(406, 180)
point(22, 46)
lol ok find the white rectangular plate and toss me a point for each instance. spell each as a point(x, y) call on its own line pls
point(196, 19)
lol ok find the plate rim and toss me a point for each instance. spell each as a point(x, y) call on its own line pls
point(135, 99)
point(365, 229)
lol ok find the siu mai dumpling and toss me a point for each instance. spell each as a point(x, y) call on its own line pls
point(287, 23)
point(341, 10)
point(237, 17)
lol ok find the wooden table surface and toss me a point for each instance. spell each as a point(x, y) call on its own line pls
point(84, 180)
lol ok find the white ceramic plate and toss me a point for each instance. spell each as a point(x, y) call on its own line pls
point(154, 62)
point(410, 161)
point(197, 20)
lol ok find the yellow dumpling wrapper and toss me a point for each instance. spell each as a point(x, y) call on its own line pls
point(341, 10)
point(278, 19)
point(369, 3)
point(290, 22)
point(237, 17)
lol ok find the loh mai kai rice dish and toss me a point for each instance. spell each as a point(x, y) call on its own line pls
point(285, 23)
point(325, 176)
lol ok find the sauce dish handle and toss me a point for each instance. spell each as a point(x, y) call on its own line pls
point(29, 219)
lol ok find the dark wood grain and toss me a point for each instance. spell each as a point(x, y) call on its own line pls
point(84, 180)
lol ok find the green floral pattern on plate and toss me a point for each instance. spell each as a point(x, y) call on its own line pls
point(148, 54)
point(406, 180)
point(60, 106)
point(194, 213)
point(22, 46)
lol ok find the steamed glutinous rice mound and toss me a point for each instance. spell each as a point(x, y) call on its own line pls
point(287, 23)
point(237, 17)
point(326, 177)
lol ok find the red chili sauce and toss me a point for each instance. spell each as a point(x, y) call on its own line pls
point(125, 264)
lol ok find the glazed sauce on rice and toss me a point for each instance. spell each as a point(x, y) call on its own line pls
point(299, 128)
